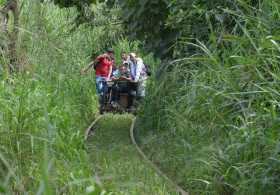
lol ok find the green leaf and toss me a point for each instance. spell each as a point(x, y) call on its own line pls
point(2, 189)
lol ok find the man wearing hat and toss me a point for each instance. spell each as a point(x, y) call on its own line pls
point(138, 73)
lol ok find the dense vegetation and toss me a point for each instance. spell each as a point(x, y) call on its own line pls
point(217, 104)
point(211, 116)
point(47, 105)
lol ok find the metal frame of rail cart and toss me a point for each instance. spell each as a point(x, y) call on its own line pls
point(121, 92)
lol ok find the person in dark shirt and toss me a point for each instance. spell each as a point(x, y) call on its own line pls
point(122, 84)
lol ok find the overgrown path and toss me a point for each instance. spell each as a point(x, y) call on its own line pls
point(116, 162)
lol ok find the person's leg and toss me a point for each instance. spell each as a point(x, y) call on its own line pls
point(114, 98)
point(98, 87)
point(101, 88)
point(132, 94)
point(141, 89)
point(100, 84)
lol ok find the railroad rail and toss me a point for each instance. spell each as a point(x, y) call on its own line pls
point(90, 130)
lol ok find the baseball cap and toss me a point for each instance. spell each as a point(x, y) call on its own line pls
point(110, 50)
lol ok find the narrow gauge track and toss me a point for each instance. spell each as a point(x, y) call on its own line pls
point(90, 130)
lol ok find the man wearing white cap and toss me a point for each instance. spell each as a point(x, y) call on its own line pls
point(138, 73)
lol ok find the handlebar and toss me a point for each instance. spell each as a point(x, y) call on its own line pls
point(113, 79)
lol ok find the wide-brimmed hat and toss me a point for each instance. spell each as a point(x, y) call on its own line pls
point(133, 55)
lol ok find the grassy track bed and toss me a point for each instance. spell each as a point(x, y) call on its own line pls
point(116, 162)
point(166, 152)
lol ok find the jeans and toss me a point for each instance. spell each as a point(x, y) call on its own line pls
point(101, 88)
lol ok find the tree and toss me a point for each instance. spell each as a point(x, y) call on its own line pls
point(85, 14)
point(163, 25)
point(145, 20)
point(11, 6)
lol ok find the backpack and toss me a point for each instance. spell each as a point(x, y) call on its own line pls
point(148, 70)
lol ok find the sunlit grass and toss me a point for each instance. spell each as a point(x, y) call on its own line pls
point(45, 109)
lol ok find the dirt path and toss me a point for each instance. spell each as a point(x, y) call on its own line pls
point(117, 163)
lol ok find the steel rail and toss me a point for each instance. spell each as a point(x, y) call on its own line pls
point(153, 165)
point(91, 129)
point(92, 126)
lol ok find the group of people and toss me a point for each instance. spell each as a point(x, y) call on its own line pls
point(131, 68)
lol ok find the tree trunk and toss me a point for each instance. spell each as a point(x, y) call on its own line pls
point(3, 35)
point(11, 6)
point(14, 38)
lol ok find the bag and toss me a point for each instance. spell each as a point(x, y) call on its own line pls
point(148, 70)
point(95, 65)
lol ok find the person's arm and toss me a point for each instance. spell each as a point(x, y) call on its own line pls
point(84, 70)
point(128, 77)
point(90, 65)
point(130, 70)
point(139, 68)
point(125, 76)
point(110, 72)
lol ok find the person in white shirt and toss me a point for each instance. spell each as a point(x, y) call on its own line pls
point(138, 73)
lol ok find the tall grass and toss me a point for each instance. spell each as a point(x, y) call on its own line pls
point(217, 112)
point(45, 109)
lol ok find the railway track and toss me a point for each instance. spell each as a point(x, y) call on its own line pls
point(91, 129)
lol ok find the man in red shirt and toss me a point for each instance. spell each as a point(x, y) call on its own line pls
point(103, 68)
